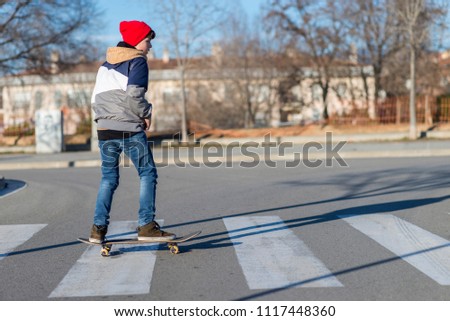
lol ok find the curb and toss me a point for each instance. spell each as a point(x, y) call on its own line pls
point(351, 138)
point(12, 187)
point(50, 165)
point(18, 150)
point(186, 161)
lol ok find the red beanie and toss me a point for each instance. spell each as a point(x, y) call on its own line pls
point(133, 32)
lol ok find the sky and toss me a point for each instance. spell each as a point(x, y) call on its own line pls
point(118, 10)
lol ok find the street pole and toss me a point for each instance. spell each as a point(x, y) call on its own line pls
point(184, 136)
point(412, 96)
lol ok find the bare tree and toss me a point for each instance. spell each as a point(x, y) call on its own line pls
point(415, 22)
point(315, 27)
point(210, 110)
point(409, 13)
point(247, 62)
point(187, 24)
point(30, 30)
point(372, 24)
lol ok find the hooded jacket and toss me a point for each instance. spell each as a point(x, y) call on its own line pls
point(118, 99)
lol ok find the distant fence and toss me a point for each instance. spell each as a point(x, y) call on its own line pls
point(395, 110)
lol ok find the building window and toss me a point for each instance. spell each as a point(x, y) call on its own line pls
point(21, 100)
point(172, 96)
point(259, 93)
point(38, 100)
point(316, 92)
point(341, 90)
point(21, 106)
point(77, 98)
point(57, 99)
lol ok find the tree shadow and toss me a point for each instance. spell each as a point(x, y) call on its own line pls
point(241, 233)
point(394, 181)
point(341, 272)
point(368, 186)
point(38, 249)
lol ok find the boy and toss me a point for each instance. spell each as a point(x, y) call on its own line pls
point(123, 114)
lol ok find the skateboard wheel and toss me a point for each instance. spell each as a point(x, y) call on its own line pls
point(174, 249)
point(105, 250)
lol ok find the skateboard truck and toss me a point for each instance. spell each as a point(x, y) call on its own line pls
point(106, 249)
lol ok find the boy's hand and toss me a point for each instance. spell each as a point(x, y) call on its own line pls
point(147, 124)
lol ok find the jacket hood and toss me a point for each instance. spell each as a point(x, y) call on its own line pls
point(115, 55)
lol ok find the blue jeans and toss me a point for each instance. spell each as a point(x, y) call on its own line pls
point(137, 150)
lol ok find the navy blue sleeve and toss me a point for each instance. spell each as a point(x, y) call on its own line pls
point(138, 75)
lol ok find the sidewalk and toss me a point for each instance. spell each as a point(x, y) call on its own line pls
point(380, 145)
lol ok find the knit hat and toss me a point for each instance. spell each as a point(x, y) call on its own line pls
point(133, 32)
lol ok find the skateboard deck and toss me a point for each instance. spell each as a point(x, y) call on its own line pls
point(172, 244)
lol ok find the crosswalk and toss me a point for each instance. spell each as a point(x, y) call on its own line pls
point(92, 275)
point(427, 252)
point(12, 236)
point(276, 259)
point(285, 261)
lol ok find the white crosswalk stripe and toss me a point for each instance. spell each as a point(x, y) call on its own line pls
point(12, 236)
point(272, 256)
point(269, 254)
point(93, 275)
point(427, 252)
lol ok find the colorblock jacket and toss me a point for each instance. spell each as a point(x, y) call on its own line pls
point(118, 99)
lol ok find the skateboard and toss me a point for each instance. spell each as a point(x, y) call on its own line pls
point(172, 244)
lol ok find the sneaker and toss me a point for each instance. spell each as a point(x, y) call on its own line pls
point(98, 234)
point(153, 232)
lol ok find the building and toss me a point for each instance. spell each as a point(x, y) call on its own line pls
point(219, 94)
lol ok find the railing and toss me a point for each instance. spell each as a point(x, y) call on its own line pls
point(395, 110)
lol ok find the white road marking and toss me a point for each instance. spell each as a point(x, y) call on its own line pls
point(125, 274)
point(275, 258)
point(427, 252)
point(11, 236)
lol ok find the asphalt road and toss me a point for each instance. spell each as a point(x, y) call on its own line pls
point(326, 214)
